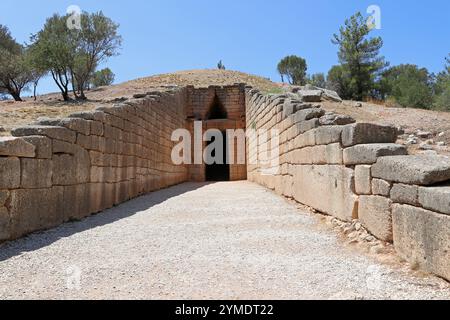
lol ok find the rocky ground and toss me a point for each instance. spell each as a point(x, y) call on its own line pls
point(425, 130)
point(157, 247)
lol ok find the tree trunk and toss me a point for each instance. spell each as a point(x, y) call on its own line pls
point(82, 96)
point(15, 95)
point(34, 91)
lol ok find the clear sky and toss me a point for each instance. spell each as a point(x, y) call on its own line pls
point(162, 36)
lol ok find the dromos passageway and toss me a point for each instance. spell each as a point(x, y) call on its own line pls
point(228, 240)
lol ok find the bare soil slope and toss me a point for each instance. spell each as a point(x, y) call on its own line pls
point(13, 114)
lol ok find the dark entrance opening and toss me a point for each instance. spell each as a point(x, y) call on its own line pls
point(216, 111)
point(216, 171)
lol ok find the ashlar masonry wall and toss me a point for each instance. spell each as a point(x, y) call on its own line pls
point(59, 170)
point(66, 169)
point(355, 171)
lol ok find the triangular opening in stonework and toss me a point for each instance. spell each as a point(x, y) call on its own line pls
point(217, 110)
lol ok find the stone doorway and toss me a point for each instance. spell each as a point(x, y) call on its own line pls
point(219, 171)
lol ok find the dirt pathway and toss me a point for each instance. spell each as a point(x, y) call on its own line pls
point(222, 241)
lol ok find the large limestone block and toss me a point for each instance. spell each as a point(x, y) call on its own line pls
point(5, 224)
point(311, 95)
point(35, 209)
point(419, 170)
point(76, 202)
point(422, 238)
point(369, 153)
point(10, 146)
point(36, 173)
point(54, 132)
point(328, 189)
point(328, 134)
point(363, 180)
point(405, 194)
point(43, 146)
point(365, 133)
point(332, 119)
point(381, 187)
point(375, 214)
point(435, 198)
point(4, 195)
point(9, 173)
point(305, 126)
point(308, 114)
point(71, 164)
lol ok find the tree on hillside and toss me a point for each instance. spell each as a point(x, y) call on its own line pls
point(442, 88)
point(317, 80)
point(359, 56)
point(408, 86)
point(15, 73)
point(104, 77)
point(97, 41)
point(221, 66)
point(54, 50)
point(338, 80)
point(293, 69)
point(71, 56)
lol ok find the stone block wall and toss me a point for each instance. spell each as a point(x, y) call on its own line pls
point(65, 169)
point(199, 103)
point(353, 171)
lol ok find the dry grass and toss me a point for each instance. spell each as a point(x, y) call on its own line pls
point(13, 114)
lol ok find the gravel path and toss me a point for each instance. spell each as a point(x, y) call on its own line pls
point(194, 241)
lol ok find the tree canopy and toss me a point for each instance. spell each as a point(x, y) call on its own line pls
point(293, 68)
point(359, 56)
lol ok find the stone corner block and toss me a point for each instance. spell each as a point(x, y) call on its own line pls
point(17, 147)
point(363, 180)
point(369, 153)
point(375, 214)
point(421, 237)
point(54, 132)
point(419, 170)
point(365, 133)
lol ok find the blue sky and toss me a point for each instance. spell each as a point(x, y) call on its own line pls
point(252, 36)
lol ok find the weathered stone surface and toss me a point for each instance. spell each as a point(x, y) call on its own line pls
point(365, 133)
point(375, 215)
point(334, 154)
point(4, 195)
point(330, 95)
point(53, 132)
point(10, 146)
point(328, 134)
point(369, 153)
point(305, 126)
point(311, 95)
point(43, 146)
point(71, 164)
point(36, 173)
point(381, 187)
point(326, 154)
point(363, 180)
point(29, 213)
point(420, 170)
point(76, 124)
point(435, 198)
point(76, 202)
point(9, 173)
point(5, 224)
point(307, 139)
point(405, 194)
point(422, 238)
point(308, 114)
point(327, 189)
point(333, 119)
